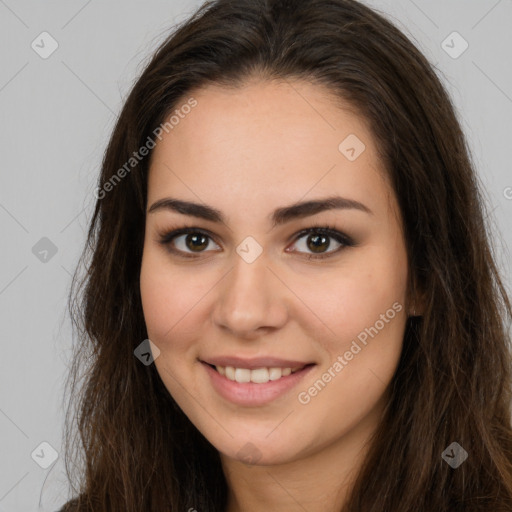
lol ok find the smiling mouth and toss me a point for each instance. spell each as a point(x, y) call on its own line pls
point(257, 375)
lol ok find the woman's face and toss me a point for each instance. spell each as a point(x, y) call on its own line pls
point(242, 290)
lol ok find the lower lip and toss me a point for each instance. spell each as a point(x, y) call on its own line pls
point(251, 393)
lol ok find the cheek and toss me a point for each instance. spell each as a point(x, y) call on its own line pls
point(362, 306)
point(154, 298)
point(171, 300)
point(161, 296)
point(355, 296)
point(365, 313)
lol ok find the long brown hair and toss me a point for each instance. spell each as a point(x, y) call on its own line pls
point(133, 449)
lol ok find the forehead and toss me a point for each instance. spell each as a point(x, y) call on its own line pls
point(266, 139)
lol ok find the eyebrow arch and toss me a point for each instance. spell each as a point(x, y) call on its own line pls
point(278, 217)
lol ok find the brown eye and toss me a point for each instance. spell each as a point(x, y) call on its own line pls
point(187, 241)
point(316, 241)
point(196, 241)
point(191, 242)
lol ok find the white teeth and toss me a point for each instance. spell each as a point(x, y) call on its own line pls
point(242, 375)
point(258, 375)
point(275, 373)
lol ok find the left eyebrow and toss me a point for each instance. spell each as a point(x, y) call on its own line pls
point(279, 216)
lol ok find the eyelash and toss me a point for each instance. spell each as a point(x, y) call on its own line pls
point(167, 237)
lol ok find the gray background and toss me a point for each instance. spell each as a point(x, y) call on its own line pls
point(57, 115)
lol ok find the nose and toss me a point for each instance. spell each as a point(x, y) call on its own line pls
point(251, 300)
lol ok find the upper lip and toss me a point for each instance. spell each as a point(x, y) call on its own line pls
point(256, 362)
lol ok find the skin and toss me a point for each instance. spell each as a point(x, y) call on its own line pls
point(246, 152)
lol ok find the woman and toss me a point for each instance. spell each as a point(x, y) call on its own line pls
point(288, 211)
